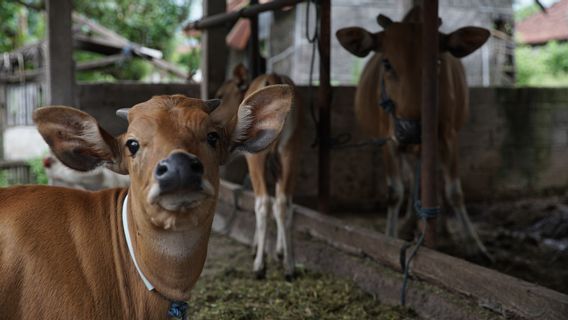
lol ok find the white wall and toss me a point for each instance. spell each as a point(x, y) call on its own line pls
point(23, 143)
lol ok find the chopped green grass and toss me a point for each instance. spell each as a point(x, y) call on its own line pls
point(228, 290)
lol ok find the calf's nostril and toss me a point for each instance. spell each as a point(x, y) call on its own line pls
point(161, 169)
point(196, 166)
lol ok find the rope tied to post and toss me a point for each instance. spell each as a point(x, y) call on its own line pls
point(424, 214)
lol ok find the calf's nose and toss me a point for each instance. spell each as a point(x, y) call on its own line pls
point(180, 170)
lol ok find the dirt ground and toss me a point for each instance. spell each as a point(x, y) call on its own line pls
point(227, 289)
point(528, 238)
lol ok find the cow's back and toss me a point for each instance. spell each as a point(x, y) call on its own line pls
point(56, 253)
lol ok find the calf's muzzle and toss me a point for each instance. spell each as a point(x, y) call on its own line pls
point(179, 171)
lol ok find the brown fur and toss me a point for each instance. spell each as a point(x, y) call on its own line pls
point(63, 253)
point(281, 157)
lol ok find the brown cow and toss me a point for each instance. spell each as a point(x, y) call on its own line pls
point(126, 253)
point(393, 76)
point(282, 155)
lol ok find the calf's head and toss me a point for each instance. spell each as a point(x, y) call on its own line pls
point(400, 49)
point(172, 148)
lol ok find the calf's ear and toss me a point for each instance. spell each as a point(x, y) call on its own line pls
point(261, 117)
point(359, 41)
point(77, 140)
point(464, 41)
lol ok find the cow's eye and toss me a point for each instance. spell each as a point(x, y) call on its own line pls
point(132, 146)
point(212, 138)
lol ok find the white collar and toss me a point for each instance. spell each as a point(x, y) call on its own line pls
point(129, 243)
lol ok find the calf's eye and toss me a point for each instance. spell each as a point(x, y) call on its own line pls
point(132, 146)
point(212, 138)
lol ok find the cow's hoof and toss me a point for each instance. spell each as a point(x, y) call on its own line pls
point(289, 276)
point(260, 274)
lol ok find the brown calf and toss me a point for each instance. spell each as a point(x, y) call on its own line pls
point(65, 254)
point(393, 75)
point(283, 154)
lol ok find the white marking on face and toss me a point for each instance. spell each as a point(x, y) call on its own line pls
point(182, 200)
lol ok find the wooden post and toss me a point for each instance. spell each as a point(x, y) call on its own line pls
point(254, 54)
point(429, 194)
point(324, 101)
point(213, 51)
point(3, 118)
point(60, 69)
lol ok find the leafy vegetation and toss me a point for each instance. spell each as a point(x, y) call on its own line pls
point(525, 12)
point(38, 171)
point(152, 23)
point(542, 66)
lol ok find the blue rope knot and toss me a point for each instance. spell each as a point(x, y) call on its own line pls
point(425, 213)
point(388, 105)
point(178, 309)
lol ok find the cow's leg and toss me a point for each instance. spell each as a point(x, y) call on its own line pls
point(454, 194)
point(283, 211)
point(256, 165)
point(395, 186)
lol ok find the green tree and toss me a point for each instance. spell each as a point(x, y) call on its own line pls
point(152, 23)
point(525, 12)
point(542, 66)
point(19, 25)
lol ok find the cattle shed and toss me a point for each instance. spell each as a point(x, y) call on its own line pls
point(513, 147)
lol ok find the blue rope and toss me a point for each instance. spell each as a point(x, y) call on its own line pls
point(178, 309)
point(424, 214)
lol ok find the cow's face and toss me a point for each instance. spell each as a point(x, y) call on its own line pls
point(172, 148)
point(400, 47)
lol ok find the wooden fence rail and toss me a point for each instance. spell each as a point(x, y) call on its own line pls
point(15, 172)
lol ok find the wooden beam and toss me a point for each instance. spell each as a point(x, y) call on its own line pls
point(489, 289)
point(99, 63)
point(213, 52)
point(254, 45)
point(27, 75)
point(429, 149)
point(60, 67)
point(324, 102)
point(225, 19)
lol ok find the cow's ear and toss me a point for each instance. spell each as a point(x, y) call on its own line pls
point(464, 41)
point(384, 21)
point(359, 41)
point(261, 117)
point(77, 140)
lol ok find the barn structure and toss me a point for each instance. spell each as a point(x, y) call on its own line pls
point(521, 130)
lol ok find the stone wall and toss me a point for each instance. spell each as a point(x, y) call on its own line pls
point(102, 99)
point(515, 142)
